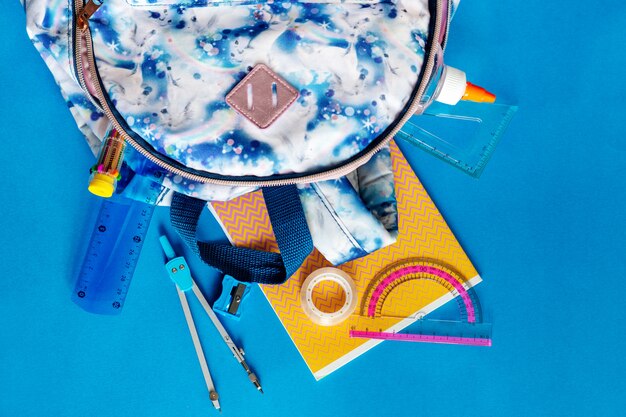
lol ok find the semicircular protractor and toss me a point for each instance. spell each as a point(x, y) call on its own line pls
point(467, 328)
point(413, 269)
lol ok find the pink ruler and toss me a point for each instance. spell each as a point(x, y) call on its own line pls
point(448, 340)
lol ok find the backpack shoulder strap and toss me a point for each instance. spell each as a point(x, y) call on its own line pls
point(249, 265)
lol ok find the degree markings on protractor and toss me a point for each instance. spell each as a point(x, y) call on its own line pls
point(469, 331)
point(413, 269)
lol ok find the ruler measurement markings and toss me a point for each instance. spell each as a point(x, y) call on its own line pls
point(113, 252)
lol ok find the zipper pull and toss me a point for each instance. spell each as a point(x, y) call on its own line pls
point(88, 10)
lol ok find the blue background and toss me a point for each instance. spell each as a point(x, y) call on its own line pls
point(545, 226)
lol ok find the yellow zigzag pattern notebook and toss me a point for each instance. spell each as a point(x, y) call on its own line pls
point(422, 233)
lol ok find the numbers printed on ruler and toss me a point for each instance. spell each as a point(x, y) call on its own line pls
point(114, 250)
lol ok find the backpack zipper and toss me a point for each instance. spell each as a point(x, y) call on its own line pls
point(446, 15)
point(83, 13)
point(82, 18)
point(80, 39)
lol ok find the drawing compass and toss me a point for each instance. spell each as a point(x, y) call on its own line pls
point(179, 272)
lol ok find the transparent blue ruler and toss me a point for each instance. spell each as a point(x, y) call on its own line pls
point(114, 248)
point(464, 135)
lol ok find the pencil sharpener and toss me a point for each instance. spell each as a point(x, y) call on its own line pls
point(229, 304)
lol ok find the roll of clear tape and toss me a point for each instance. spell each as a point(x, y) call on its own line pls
point(306, 296)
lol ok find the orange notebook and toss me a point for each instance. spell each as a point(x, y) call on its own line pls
point(422, 233)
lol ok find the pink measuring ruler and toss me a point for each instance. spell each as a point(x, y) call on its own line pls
point(448, 340)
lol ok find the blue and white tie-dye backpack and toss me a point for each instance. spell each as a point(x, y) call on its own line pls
point(299, 98)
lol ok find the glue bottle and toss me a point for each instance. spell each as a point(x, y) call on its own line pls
point(106, 172)
point(449, 85)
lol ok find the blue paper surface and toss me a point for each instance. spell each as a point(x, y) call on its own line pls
point(545, 226)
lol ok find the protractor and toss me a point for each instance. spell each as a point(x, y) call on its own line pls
point(411, 269)
point(372, 324)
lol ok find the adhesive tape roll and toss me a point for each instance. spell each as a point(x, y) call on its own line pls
point(323, 275)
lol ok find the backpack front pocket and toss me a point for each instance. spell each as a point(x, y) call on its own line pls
point(166, 71)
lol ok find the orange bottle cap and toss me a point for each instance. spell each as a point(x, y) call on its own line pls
point(477, 94)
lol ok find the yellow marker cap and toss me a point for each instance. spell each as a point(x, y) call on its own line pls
point(102, 185)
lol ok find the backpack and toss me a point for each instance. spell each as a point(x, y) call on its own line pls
point(297, 98)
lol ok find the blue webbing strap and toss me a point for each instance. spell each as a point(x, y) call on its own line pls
point(184, 215)
point(248, 265)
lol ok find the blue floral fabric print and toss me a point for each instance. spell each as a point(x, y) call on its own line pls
point(49, 27)
point(348, 222)
point(375, 184)
point(167, 65)
point(167, 69)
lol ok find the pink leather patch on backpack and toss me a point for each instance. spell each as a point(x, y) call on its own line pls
point(262, 96)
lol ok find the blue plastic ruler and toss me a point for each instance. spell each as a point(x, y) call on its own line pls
point(114, 248)
point(464, 135)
